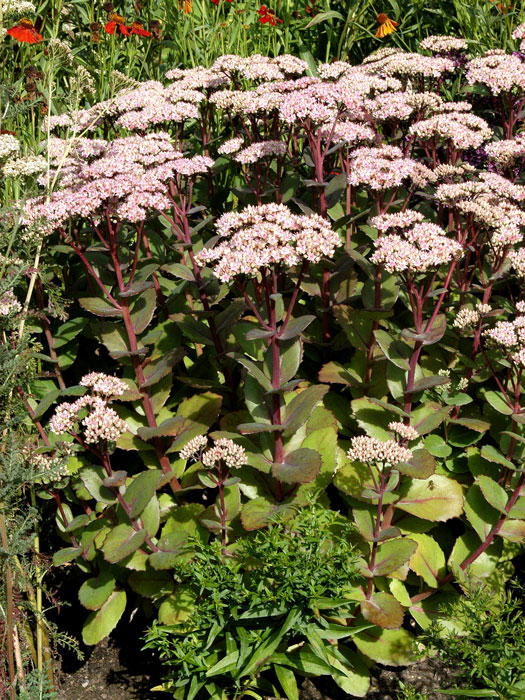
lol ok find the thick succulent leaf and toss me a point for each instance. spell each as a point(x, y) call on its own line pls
point(438, 498)
point(99, 624)
point(383, 610)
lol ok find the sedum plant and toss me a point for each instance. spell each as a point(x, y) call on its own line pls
point(321, 275)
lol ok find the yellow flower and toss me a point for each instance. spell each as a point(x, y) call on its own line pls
point(386, 25)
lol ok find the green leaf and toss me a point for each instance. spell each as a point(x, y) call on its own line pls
point(391, 555)
point(395, 350)
point(66, 555)
point(99, 306)
point(429, 416)
point(152, 584)
point(437, 446)
point(383, 610)
point(334, 373)
point(99, 624)
point(498, 403)
point(253, 369)
point(300, 466)
point(259, 512)
point(493, 492)
point(252, 428)
point(122, 541)
point(301, 406)
point(142, 310)
point(179, 606)
point(228, 663)
point(180, 271)
point(287, 680)
point(94, 592)
point(513, 530)
point(428, 561)
point(92, 478)
point(388, 647)
point(48, 400)
point(429, 382)
point(491, 454)
point(291, 354)
point(478, 512)
point(421, 466)
point(295, 327)
point(484, 565)
point(141, 490)
point(162, 366)
point(438, 498)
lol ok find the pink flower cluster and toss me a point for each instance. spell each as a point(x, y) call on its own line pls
point(104, 384)
point(498, 71)
point(194, 446)
point(259, 150)
point(266, 235)
point(127, 175)
point(461, 129)
point(417, 249)
point(405, 432)
point(443, 44)
point(510, 336)
point(9, 304)
point(381, 168)
point(100, 423)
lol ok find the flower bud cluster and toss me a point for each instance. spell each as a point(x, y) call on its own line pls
point(104, 384)
point(226, 451)
point(405, 432)
point(194, 446)
point(369, 450)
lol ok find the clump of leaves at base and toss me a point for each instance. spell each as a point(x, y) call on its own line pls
point(261, 611)
point(488, 646)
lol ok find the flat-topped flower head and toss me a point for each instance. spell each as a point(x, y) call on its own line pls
point(104, 384)
point(369, 450)
point(224, 451)
point(443, 44)
point(380, 168)
point(416, 249)
point(9, 304)
point(262, 236)
point(498, 71)
point(259, 150)
point(461, 129)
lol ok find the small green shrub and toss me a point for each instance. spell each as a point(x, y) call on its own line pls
point(269, 605)
point(487, 646)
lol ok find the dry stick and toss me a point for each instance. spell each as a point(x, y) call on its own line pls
point(10, 606)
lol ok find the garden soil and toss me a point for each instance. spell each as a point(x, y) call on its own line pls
point(113, 673)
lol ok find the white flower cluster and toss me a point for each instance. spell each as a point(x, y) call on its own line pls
point(443, 44)
point(9, 146)
point(24, 167)
point(226, 451)
point(261, 149)
point(17, 8)
point(50, 469)
point(406, 432)
point(194, 446)
point(370, 450)
point(9, 304)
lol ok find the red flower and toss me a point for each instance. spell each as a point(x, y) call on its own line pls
point(25, 31)
point(267, 15)
point(114, 22)
point(138, 28)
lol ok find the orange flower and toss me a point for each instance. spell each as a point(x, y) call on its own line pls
point(25, 31)
point(114, 22)
point(386, 25)
point(187, 7)
point(267, 15)
point(138, 28)
point(502, 8)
